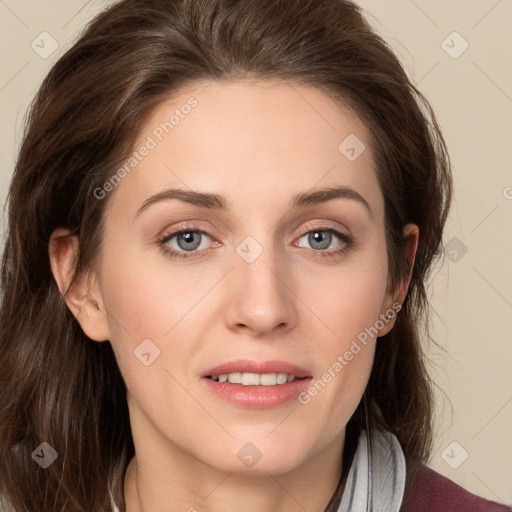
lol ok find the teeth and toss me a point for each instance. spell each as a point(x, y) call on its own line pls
point(282, 378)
point(266, 379)
point(235, 378)
point(254, 379)
point(250, 379)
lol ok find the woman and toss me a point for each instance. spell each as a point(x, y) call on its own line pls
point(221, 223)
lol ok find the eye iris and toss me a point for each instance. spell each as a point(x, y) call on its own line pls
point(320, 237)
point(188, 237)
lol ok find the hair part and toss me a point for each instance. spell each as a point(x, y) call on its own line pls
point(60, 387)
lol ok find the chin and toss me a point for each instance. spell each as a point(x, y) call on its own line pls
point(260, 457)
point(262, 467)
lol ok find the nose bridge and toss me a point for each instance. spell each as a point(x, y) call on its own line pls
point(262, 265)
point(263, 299)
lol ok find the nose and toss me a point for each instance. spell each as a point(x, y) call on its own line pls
point(262, 298)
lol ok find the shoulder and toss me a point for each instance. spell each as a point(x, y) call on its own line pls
point(429, 491)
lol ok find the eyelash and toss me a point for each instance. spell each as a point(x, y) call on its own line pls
point(346, 239)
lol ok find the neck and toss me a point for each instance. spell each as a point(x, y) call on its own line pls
point(309, 487)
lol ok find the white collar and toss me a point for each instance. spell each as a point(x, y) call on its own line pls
point(382, 463)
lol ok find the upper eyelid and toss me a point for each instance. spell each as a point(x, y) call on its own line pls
point(326, 225)
point(346, 239)
point(166, 236)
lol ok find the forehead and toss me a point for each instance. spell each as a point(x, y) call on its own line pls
point(252, 141)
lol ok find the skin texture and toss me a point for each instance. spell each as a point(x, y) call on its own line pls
point(258, 144)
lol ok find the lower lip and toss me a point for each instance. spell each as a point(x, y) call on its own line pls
point(257, 397)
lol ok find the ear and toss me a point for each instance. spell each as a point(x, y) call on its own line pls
point(411, 234)
point(83, 298)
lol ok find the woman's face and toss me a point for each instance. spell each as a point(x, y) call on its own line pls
point(260, 275)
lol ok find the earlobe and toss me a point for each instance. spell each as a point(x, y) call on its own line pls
point(83, 296)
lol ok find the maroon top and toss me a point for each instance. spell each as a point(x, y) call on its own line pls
point(432, 492)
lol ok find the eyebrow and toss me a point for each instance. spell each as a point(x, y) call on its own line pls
point(219, 202)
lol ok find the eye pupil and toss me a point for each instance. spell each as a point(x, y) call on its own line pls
point(188, 236)
point(322, 237)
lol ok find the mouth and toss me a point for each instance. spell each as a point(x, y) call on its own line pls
point(253, 372)
point(256, 384)
point(255, 379)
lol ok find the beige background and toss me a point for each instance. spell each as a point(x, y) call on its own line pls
point(472, 298)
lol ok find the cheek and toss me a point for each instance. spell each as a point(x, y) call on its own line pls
point(347, 297)
point(148, 293)
point(348, 302)
point(145, 300)
point(148, 310)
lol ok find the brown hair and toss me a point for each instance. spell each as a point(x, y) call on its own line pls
point(57, 385)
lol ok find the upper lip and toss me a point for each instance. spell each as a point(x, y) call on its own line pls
point(255, 366)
